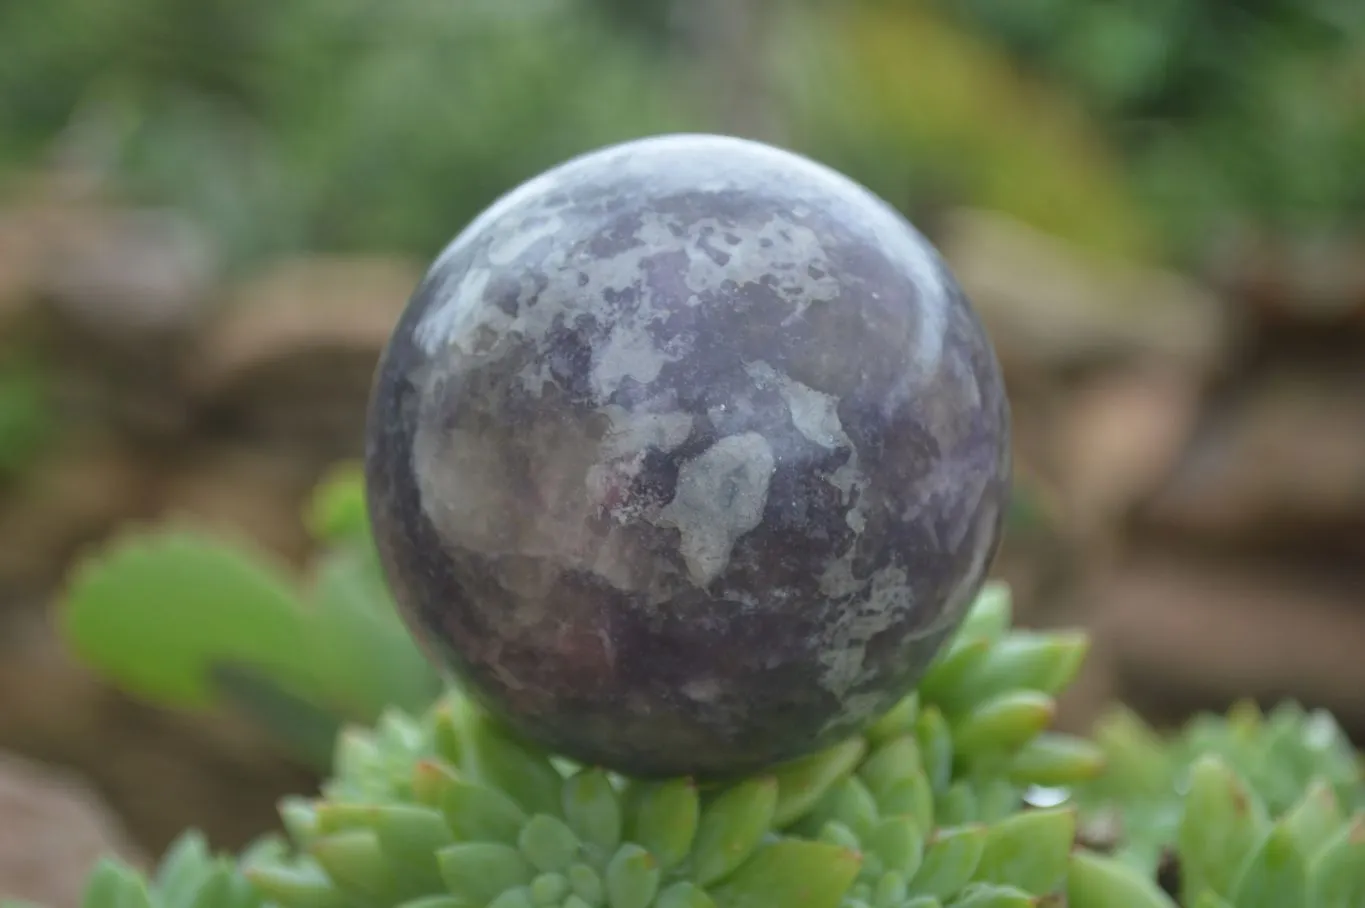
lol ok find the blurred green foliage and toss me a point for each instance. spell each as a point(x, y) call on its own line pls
point(1220, 109)
point(1137, 127)
point(26, 421)
point(917, 108)
point(196, 621)
point(336, 124)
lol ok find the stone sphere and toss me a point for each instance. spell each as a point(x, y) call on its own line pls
point(686, 457)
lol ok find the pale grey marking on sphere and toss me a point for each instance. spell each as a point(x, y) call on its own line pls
point(720, 497)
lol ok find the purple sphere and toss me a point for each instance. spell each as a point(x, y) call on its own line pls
point(687, 456)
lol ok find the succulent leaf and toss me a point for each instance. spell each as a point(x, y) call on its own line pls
point(950, 860)
point(666, 819)
point(479, 872)
point(1029, 850)
point(731, 827)
point(1337, 873)
point(801, 783)
point(593, 809)
point(790, 874)
point(1096, 881)
point(1275, 874)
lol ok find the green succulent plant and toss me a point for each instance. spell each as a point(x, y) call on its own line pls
point(958, 797)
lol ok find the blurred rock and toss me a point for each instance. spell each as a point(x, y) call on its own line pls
point(1118, 437)
point(160, 771)
point(293, 354)
point(1202, 633)
point(127, 276)
point(1301, 279)
point(1282, 464)
point(90, 485)
point(53, 830)
point(18, 269)
point(241, 492)
point(1048, 306)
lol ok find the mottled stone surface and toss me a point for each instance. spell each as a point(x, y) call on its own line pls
point(687, 456)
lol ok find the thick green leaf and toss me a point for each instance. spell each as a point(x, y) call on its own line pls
point(337, 511)
point(1054, 759)
point(1316, 818)
point(549, 844)
point(1028, 660)
point(991, 612)
point(365, 655)
point(410, 836)
point(298, 887)
point(1029, 850)
point(942, 683)
point(935, 741)
point(791, 874)
point(898, 844)
point(480, 871)
point(156, 611)
point(1096, 881)
point(950, 860)
point(512, 766)
point(1275, 874)
point(684, 895)
point(593, 809)
point(993, 895)
point(731, 828)
point(666, 818)
point(1222, 821)
point(1003, 723)
point(478, 813)
point(1336, 877)
point(632, 878)
point(891, 763)
point(113, 884)
point(801, 783)
point(358, 865)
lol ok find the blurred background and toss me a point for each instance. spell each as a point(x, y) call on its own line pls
point(212, 212)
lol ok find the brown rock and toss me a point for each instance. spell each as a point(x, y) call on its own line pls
point(1302, 279)
point(127, 276)
point(1285, 464)
point(1118, 437)
point(162, 771)
point(53, 830)
point(70, 499)
point(293, 354)
point(242, 492)
point(18, 269)
point(1201, 634)
point(1047, 305)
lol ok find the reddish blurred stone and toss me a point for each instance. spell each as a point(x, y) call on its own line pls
point(292, 355)
point(161, 771)
point(1118, 438)
point(71, 498)
point(1284, 464)
point(1049, 306)
point(242, 492)
point(1299, 280)
point(53, 830)
point(1199, 634)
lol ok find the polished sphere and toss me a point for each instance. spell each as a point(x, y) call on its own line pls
point(687, 456)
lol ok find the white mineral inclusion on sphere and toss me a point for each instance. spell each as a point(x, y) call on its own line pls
point(687, 456)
